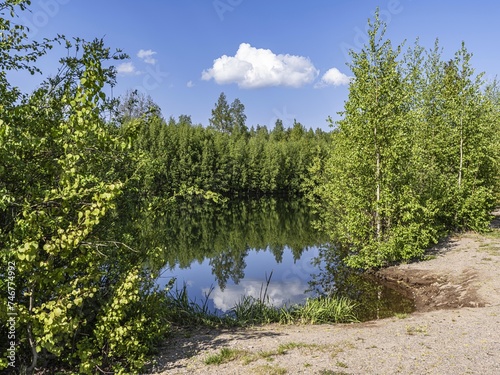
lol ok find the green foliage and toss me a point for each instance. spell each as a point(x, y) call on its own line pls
point(81, 303)
point(16, 52)
point(222, 160)
point(321, 310)
point(414, 156)
point(225, 355)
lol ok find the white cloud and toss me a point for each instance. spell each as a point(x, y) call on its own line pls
point(333, 77)
point(147, 56)
point(126, 68)
point(254, 67)
point(190, 84)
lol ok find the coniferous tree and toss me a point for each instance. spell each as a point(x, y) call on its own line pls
point(221, 118)
point(238, 118)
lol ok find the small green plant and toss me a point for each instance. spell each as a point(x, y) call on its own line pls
point(225, 355)
point(413, 330)
point(283, 348)
point(331, 372)
point(269, 370)
point(401, 315)
point(267, 355)
point(429, 257)
point(342, 364)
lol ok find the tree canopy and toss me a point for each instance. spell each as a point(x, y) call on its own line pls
point(415, 154)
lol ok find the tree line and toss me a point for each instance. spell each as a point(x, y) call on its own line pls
point(226, 157)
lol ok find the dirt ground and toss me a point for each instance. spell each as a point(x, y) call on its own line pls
point(455, 330)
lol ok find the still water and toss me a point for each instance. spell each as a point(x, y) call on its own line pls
point(288, 279)
point(224, 253)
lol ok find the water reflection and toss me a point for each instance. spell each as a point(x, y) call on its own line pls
point(375, 300)
point(288, 280)
point(230, 251)
point(227, 236)
point(276, 293)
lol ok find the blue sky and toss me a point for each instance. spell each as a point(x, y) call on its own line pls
point(282, 59)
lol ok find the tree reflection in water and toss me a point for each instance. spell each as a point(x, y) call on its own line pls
point(334, 278)
point(242, 241)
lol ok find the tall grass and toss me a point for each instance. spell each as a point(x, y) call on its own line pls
point(314, 311)
point(325, 310)
point(253, 311)
point(182, 311)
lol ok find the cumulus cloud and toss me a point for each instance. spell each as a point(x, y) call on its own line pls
point(126, 68)
point(147, 56)
point(254, 67)
point(334, 77)
point(190, 84)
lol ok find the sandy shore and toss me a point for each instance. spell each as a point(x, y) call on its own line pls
point(456, 329)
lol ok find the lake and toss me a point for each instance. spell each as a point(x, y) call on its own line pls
point(249, 247)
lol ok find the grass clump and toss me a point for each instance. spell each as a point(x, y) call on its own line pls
point(284, 348)
point(401, 315)
point(490, 248)
point(251, 310)
point(320, 310)
point(342, 364)
point(325, 310)
point(223, 356)
point(182, 311)
point(414, 330)
point(269, 370)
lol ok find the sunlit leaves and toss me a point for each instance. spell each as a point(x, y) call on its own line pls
point(413, 157)
point(59, 177)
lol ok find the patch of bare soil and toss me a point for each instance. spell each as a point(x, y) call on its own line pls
point(455, 330)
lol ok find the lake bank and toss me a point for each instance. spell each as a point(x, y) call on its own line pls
point(455, 338)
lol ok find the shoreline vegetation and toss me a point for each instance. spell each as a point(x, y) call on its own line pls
point(250, 311)
point(256, 311)
point(416, 156)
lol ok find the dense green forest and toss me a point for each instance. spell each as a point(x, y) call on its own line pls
point(415, 156)
point(225, 158)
